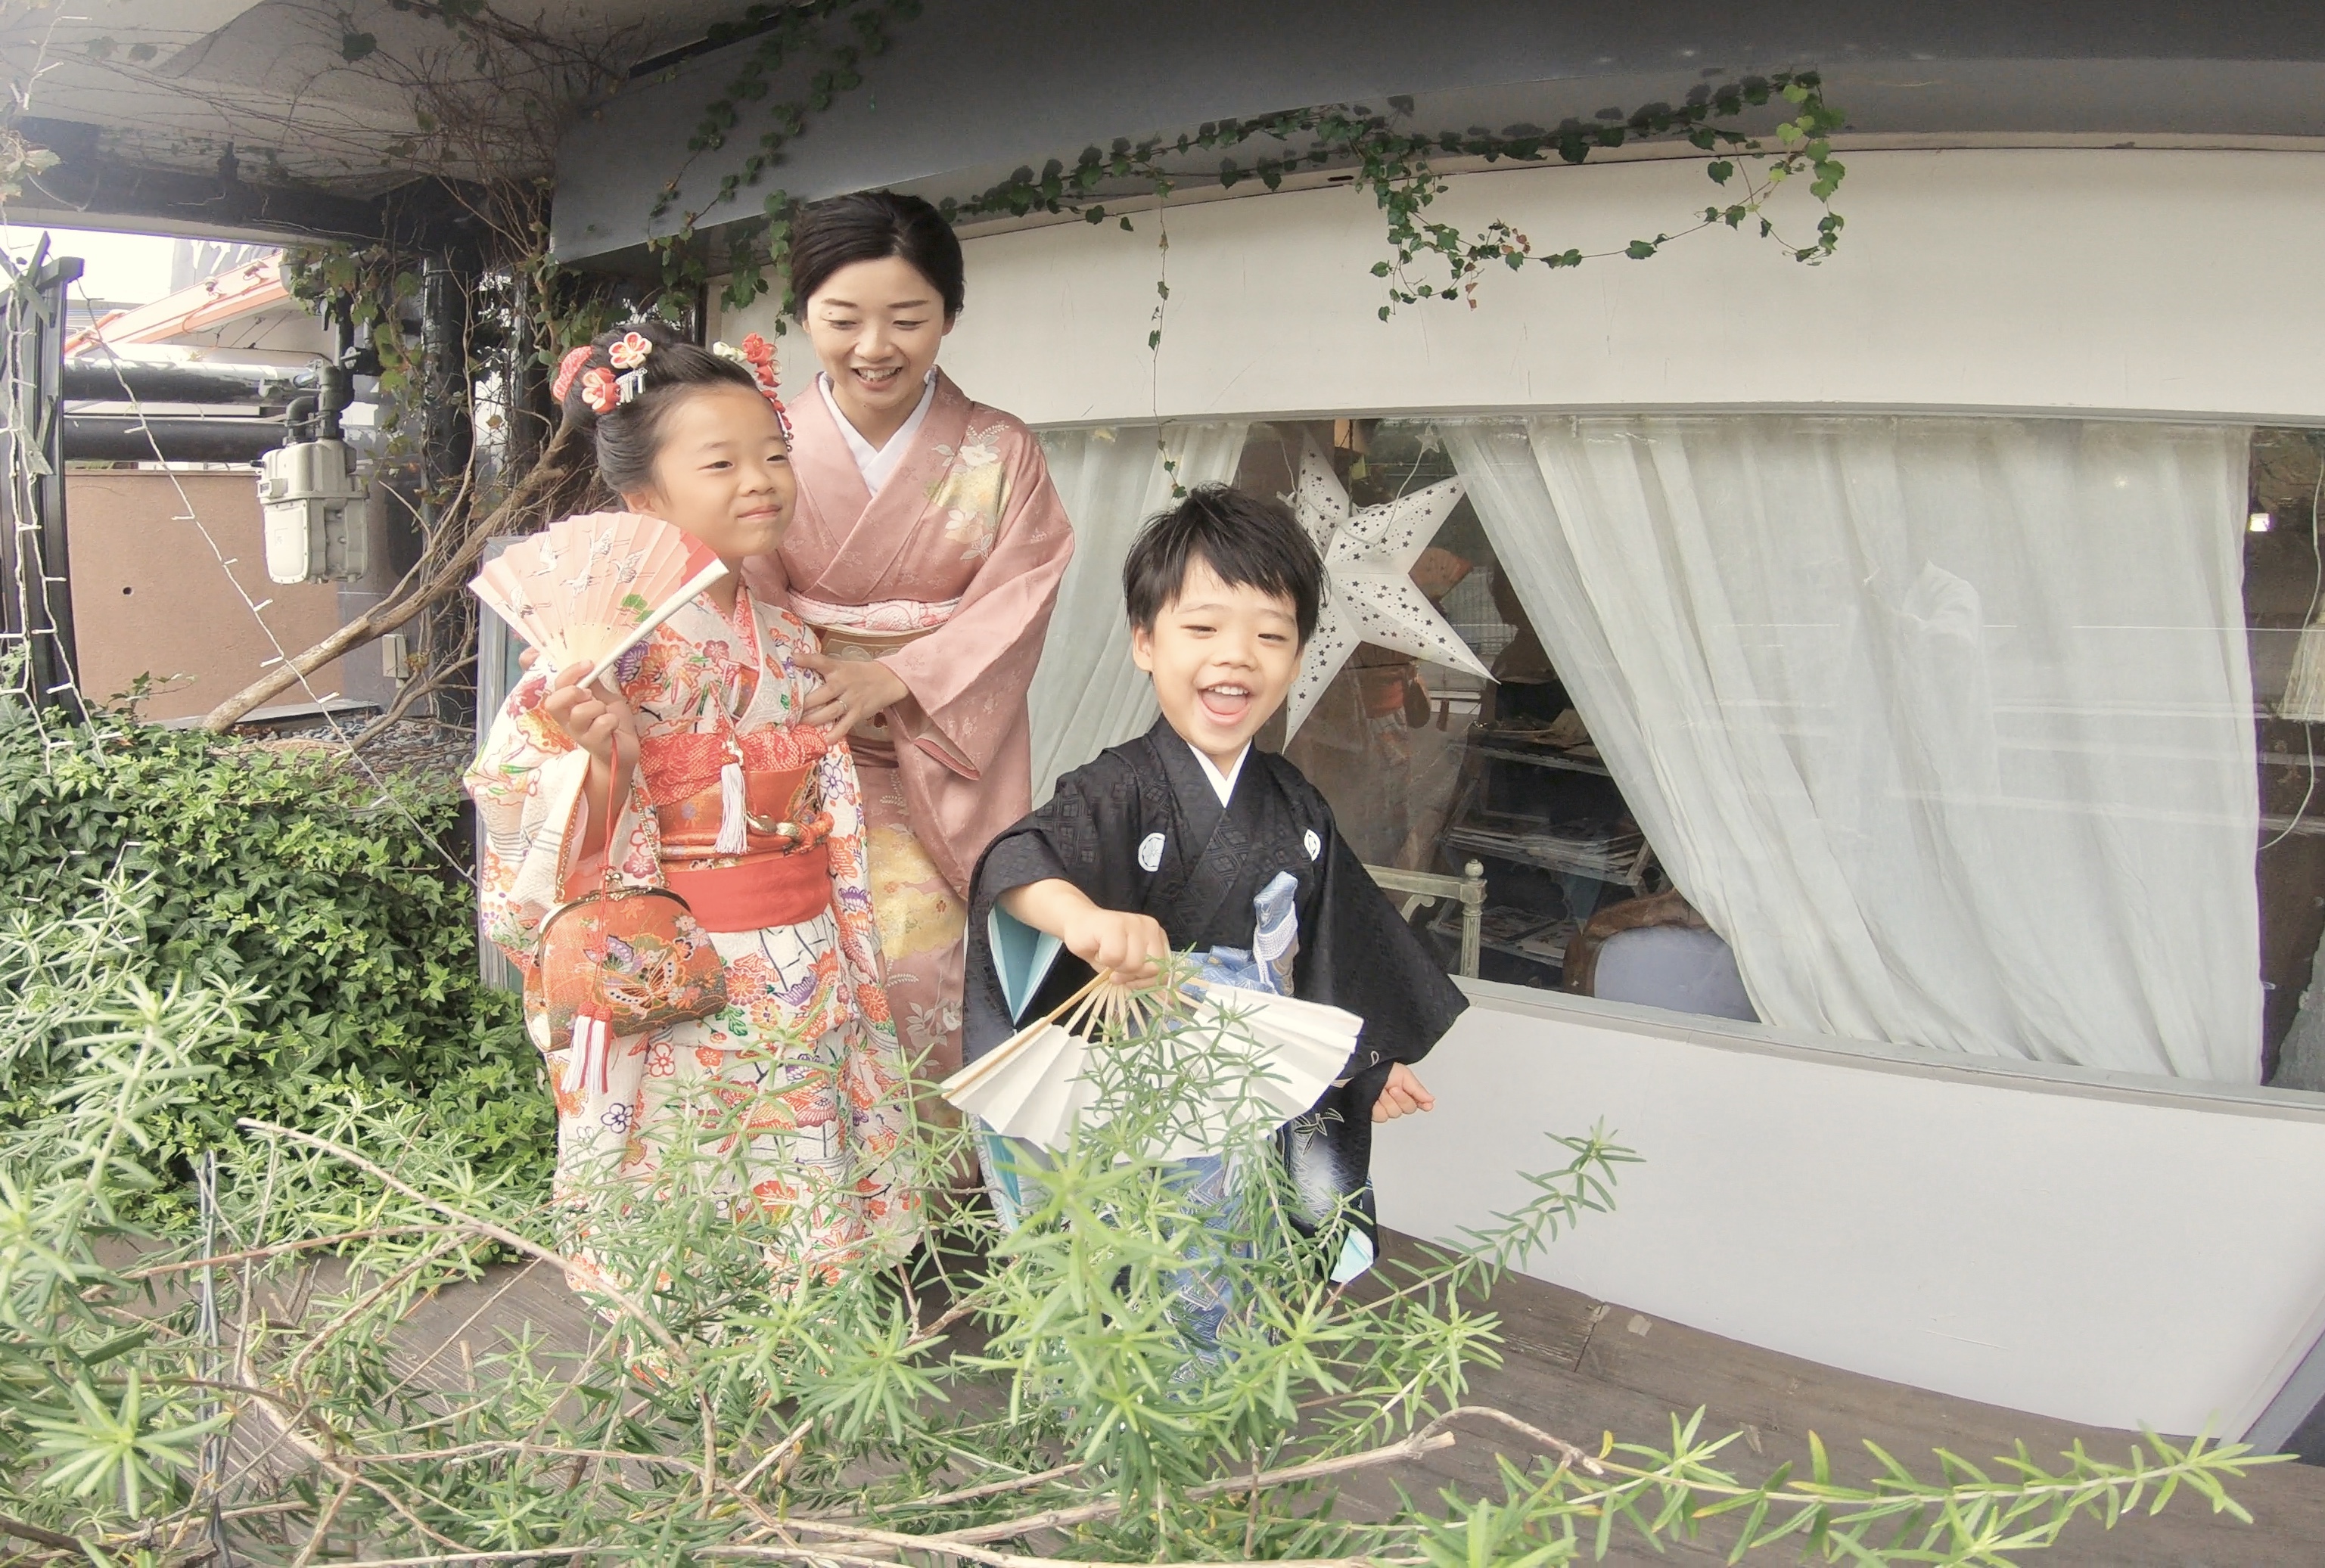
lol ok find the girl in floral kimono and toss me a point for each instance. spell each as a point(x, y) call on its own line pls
point(798, 1080)
point(927, 555)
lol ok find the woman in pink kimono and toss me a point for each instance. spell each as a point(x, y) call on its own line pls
point(926, 554)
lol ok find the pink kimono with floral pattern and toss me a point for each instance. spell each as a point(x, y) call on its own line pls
point(805, 1054)
point(963, 546)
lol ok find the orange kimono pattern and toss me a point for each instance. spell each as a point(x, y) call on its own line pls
point(804, 1059)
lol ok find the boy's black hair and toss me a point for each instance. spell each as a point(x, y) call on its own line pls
point(1245, 541)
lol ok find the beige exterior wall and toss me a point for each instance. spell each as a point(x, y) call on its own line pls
point(150, 596)
point(2064, 280)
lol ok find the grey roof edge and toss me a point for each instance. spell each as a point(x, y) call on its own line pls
point(960, 100)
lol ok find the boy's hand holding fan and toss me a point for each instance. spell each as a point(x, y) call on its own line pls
point(590, 588)
point(1032, 1085)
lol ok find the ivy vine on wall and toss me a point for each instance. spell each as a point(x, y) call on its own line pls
point(1389, 155)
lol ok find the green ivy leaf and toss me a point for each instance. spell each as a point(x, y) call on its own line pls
point(354, 46)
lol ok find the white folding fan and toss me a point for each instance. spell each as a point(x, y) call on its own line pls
point(595, 587)
point(1032, 1085)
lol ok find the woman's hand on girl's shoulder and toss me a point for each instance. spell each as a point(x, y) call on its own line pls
point(593, 718)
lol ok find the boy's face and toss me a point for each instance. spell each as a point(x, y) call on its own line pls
point(1222, 658)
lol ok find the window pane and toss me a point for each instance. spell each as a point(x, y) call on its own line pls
point(1939, 731)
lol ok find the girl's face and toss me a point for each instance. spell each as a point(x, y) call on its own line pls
point(722, 472)
point(875, 326)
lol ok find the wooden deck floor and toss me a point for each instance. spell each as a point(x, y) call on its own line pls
point(1578, 1367)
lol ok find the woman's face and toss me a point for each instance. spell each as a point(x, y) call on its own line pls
point(722, 472)
point(875, 326)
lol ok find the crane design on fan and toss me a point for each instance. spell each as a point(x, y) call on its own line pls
point(595, 587)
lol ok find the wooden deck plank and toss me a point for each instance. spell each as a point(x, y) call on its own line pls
point(1578, 1367)
point(1634, 1371)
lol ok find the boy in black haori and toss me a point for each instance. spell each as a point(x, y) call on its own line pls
point(1189, 838)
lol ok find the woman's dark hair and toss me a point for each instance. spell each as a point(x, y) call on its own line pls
point(594, 458)
point(870, 226)
point(1245, 540)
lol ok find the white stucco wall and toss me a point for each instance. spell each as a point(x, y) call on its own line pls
point(2067, 279)
point(2108, 1250)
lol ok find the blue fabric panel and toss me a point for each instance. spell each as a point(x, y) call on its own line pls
point(1022, 957)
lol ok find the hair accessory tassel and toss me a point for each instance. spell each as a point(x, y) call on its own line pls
point(734, 802)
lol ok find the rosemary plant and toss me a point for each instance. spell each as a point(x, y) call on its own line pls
point(996, 1400)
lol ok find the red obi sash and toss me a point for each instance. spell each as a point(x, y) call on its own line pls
point(763, 891)
point(678, 766)
point(783, 875)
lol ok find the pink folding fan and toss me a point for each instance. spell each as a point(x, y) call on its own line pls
point(592, 587)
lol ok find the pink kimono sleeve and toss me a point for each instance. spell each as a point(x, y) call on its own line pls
point(968, 677)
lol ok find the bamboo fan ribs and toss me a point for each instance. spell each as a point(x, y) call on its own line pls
point(595, 587)
point(1275, 1055)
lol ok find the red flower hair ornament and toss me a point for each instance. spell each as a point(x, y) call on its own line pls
point(601, 390)
point(629, 350)
point(566, 369)
point(757, 355)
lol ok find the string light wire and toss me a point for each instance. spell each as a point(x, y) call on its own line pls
point(189, 513)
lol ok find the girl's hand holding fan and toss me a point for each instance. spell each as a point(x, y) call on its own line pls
point(590, 588)
point(597, 722)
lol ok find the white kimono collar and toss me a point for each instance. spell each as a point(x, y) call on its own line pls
point(1222, 784)
point(875, 464)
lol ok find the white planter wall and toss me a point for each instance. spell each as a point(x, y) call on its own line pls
point(2102, 1250)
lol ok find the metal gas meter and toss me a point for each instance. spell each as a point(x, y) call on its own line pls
point(313, 499)
point(314, 506)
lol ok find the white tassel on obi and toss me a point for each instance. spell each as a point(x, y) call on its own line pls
point(734, 803)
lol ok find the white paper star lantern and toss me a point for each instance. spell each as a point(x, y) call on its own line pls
point(1370, 597)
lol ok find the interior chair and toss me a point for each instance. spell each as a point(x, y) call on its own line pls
point(1658, 951)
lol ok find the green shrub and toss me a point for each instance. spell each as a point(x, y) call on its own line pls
point(291, 874)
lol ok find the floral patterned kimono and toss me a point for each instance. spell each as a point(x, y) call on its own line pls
point(804, 1054)
point(948, 575)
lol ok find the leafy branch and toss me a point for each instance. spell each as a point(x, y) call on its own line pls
point(1020, 1401)
point(1401, 168)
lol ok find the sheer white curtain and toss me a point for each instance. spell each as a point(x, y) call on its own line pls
point(1087, 694)
point(1945, 725)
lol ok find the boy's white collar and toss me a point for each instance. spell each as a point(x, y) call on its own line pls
point(1222, 784)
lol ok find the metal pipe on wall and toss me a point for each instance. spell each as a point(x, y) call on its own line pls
point(107, 379)
point(181, 438)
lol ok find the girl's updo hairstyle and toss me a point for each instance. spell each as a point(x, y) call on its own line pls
point(594, 458)
point(872, 225)
point(627, 435)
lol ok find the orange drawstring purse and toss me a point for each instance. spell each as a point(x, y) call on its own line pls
point(622, 961)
